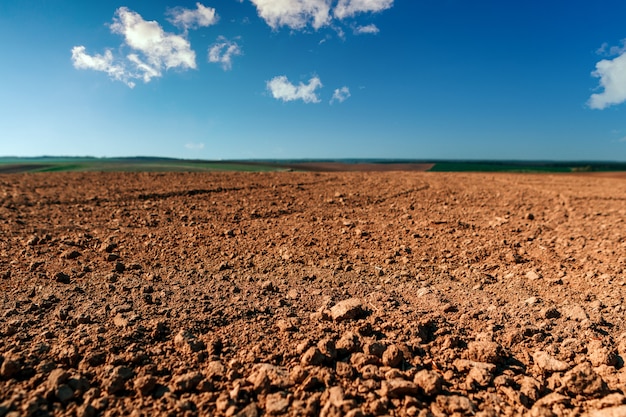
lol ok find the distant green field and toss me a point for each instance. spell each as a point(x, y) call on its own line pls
point(528, 167)
point(147, 164)
point(33, 165)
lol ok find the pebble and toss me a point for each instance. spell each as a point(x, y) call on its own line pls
point(185, 342)
point(10, 368)
point(575, 312)
point(393, 356)
point(145, 384)
point(547, 363)
point(187, 382)
point(397, 388)
point(484, 351)
point(116, 381)
point(57, 377)
point(313, 356)
point(276, 403)
point(453, 405)
point(251, 410)
point(582, 380)
point(349, 309)
point(430, 382)
point(277, 376)
point(349, 342)
point(599, 354)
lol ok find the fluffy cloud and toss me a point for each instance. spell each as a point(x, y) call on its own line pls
point(369, 29)
point(612, 75)
point(153, 51)
point(190, 19)
point(295, 14)
point(282, 89)
point(349, 8)
point(298, 14)
point(162, 50)
point(340, 95)
point(222, 52)
point(104, 63)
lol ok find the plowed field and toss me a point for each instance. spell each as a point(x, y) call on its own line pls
point(304, 294)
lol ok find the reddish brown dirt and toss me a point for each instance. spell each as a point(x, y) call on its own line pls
point(400, 294)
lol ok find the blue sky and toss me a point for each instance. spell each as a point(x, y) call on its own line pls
point(234, 79)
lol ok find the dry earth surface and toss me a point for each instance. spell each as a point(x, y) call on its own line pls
point(304, 294)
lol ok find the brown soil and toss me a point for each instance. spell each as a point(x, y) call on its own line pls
point(357, 294)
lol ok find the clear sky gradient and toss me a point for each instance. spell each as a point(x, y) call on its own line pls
point(251, 79)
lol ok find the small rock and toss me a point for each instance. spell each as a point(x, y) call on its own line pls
point(313, 357)
point(286, 325)
point(575, 312)
point(348, 343)
point(276, 403)
point(582, 380)
point(145, 384)
point(327, 348)
point(453, 405)
point(10, 368)
point(116, 381)
point(375, 348)
point(251, 410)
point(547, 363)
point(393, 356)
point(188, 343)
point(277, 376)
point(349, 309)
point(215, 370)
point(485, 351)
point(57, 377)
point(532, 275)
point(430, 382)
point(599, 354)
point(188, 381)
point(344, 370)
point(396, 388)
point(120, 321)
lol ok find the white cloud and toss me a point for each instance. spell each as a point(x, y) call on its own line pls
point(282, 89)
point(161, 49)
point(607, 50)
point(349, 8)
point(299, 14)
point(222, 52)
point(194, 146)
point(295, 14)
point(153, 51)
point(368, 29)
point(190, 19)
point(104, 63)
point(612, 75)
point(340, 95)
